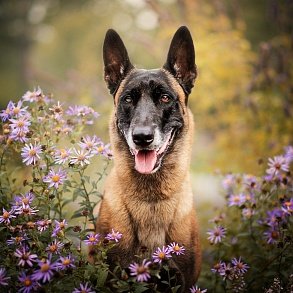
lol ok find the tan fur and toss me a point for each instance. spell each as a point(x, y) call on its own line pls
point(153, 210)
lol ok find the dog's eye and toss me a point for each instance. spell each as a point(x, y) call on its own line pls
point(165, 99)
point(127, 99)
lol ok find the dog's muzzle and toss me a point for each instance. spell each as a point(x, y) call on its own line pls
point(148, 147)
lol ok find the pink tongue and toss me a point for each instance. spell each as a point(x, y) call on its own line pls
point(145, 161)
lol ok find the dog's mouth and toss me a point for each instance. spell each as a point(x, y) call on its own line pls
point(148, 161)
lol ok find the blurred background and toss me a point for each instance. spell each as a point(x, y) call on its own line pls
point(242, 100)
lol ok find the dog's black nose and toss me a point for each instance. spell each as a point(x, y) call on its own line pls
point(143, 136)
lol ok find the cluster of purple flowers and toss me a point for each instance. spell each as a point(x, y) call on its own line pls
point(94, 238)
point(21, 206)
point(142, 271)
point(19, 128)
point(230, 270)
point(160, 255)
point(276, 219)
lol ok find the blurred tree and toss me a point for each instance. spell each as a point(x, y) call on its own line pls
point(242, 100)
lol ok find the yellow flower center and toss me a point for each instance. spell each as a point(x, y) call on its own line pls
point(55, 178)
point(275, 235)
point(141, 270)
point(63, 154)
point(18, 239)
point(100, 149)
point(6, 215)
point(20, 123)
point(236, 198)
point(161, 255)
point(16, 110)
point(66, 262)
point(81, 157)
point(27, 282)
point(45, 268)
point(176, 248)
point(25, 200)
point(32, 153)
point(53, 247)
point(92, 239)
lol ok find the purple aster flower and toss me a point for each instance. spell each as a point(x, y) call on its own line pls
point(287, 207)
point(251, 182)
point(45, 271)
point(84, 288)
point(21, 124)
point(3, 278)
point(236, 200)
point(16, 110)
point(272, 236)
point(275, 217)
point(57, 111)
point(83, 114)
point(277, 164)
point(239, 265)
point(217, 267)
point(217, 234)
point(289, 153)
point(31, 153)
point(140, 271)
point(89, 143)
point(18, 240)
point(176, 248)
point(26, 209)
point(80, 157)
point(227, 271)
point(161, 254)
point(92, 239)
point(43, 225)
point(247, 213)
point(19, 136)
point(59, 227)
point(67, 129)
point(104, 150)
point(7, 113)
point(55, 247)
point(35, 96)
point(229, 182)
point(66, 262)
point(21, 199)
point(114, 236)
point(7, 216)
point(25, 256)
point(28, 285)
point(55, 178)
point(62, 156)
point(196, 289)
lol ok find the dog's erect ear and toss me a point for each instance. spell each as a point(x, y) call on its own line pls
point(116, 60)
point(181, 59)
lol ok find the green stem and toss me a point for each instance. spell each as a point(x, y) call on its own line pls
point(87, 198)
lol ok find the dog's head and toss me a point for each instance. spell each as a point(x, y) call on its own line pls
point(150, 104)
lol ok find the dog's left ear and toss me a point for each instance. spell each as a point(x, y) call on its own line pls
point(181, 59)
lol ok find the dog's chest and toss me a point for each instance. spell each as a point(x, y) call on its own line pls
point(153, 221)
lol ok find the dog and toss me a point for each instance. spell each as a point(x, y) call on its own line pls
point(148, 196)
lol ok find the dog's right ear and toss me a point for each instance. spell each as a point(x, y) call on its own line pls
point(116, 60)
